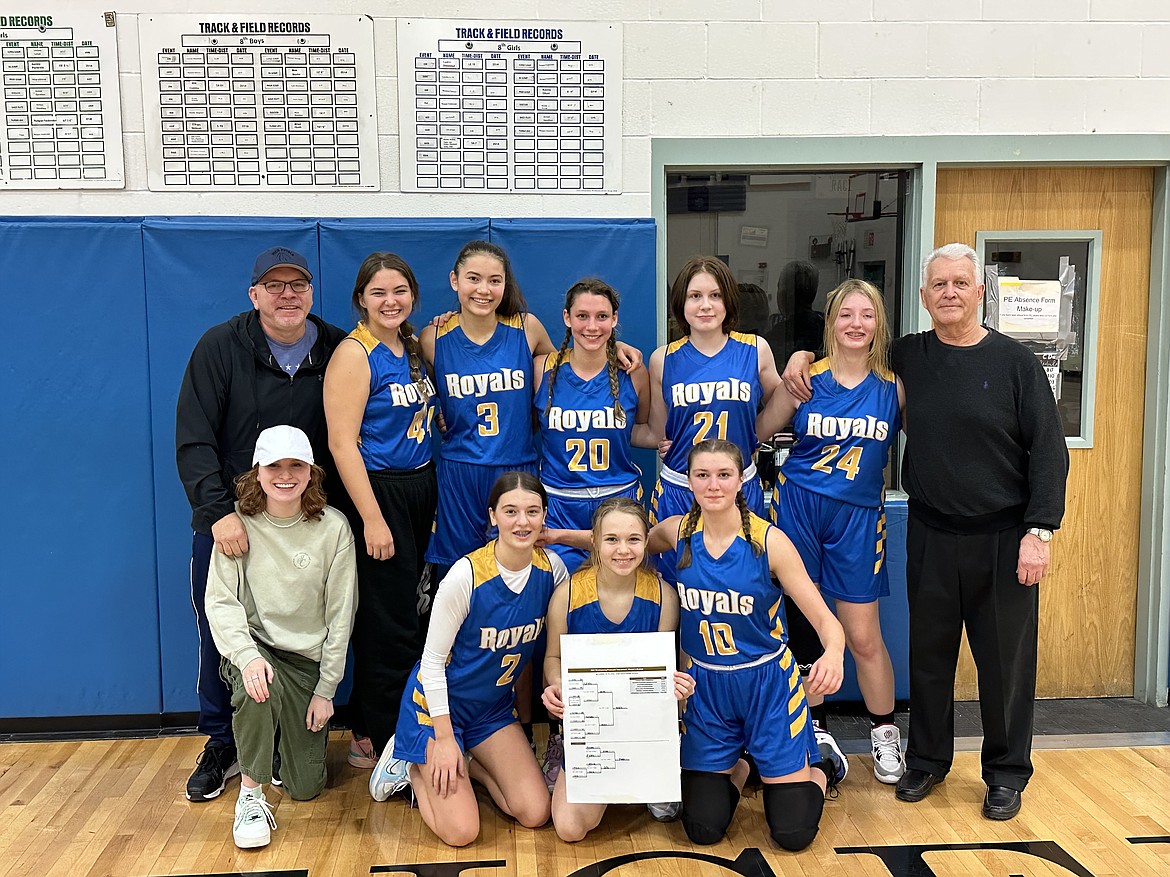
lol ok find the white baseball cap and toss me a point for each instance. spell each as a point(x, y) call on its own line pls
point(281, 443)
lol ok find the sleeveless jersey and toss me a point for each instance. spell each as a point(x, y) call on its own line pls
point(729, 608)
point(485, 391)
point(501, 631)
point(843, 438)
point(586, 615)
point(583, 442)
point(711, 396)
point(396, 425)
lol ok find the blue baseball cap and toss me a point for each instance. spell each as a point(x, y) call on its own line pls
point(279, 257)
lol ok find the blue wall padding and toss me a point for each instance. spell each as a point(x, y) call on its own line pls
point(96, 616)
point(429, 247)
point(550, 255)
point(198, 270)
point(79, 619)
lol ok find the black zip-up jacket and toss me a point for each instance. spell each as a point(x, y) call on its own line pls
point(232, 390)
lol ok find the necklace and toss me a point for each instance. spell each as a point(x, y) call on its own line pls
point(273, 522)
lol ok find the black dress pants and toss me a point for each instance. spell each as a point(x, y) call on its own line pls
point(956, 580)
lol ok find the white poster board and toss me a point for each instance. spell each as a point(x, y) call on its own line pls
point(278, 102)
point(510, 106)
point(61, 119)
point(621, 718)
point(1029, 307)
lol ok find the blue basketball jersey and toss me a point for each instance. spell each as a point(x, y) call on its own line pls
point(501, 631)
point(583, 441)
point(586, 615)
point(711, 396)
point(730, 609)
point(485, 391)
point(396, 426)
point(843, 438)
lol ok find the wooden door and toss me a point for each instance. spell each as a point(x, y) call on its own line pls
point(1088, 599)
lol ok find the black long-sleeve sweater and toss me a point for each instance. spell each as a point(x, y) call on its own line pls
point(985, 447)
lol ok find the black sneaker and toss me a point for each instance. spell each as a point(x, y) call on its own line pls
point(276, 780)
point(216, 763)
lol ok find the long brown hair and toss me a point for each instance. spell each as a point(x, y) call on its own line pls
point(878, 359)
point(374, 263)
point(253, 500)
point(723, 278)
point(513, 302)
point(691, 520)
point(594, 286)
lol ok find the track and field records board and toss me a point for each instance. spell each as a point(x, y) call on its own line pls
point(61, 117)
point(278, 102)
point(528, 106)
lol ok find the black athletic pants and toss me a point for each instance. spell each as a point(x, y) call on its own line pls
point(955, 580)
point(389, 629)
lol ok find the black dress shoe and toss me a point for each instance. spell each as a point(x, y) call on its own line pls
point(1001, 802)
point(914, 785)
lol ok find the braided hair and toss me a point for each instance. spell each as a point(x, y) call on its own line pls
point(691, 520)
point(593, 286)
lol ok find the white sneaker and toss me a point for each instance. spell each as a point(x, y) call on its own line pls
point(391, 775)
point(888, 763)
point(254, 821)
point(667, 812)
point(831, 752)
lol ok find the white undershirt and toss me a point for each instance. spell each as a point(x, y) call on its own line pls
point(452, 605)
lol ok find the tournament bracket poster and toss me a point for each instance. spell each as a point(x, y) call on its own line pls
point(279, 102)
point(510, 106)
point(61, 117)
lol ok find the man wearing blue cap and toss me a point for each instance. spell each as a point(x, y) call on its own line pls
point(261, 368)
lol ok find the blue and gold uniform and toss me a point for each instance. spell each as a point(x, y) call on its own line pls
point(830, 490)
point(748, 693)
point(585, 614)
point(485, 396)
point(494, 644)
point(586, 455)
point(707, 397)
point(396, 425)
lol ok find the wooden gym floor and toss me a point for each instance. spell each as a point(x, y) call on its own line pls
point(115, 807)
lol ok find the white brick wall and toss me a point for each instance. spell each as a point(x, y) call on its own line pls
point(741, 68)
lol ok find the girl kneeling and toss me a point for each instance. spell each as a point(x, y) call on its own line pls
point(748, 691)
point(614, 593)
point(488, 617)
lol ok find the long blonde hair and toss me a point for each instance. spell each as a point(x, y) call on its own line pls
point(878, 360)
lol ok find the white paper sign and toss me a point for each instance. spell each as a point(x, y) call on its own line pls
point(510, 106)
point(1029, 306)
point(621, 718)
point(61, 118)
point(280, 102)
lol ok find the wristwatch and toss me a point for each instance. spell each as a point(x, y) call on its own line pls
point(1041, 534)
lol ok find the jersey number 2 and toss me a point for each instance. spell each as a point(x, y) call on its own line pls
point(509, 663)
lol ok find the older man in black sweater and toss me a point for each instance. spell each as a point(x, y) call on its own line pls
point(985, 468)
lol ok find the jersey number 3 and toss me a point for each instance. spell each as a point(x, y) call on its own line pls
point(491, 418)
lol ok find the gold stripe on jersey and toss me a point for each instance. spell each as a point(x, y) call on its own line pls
point(743, 338)
point(881, 543)
point(583, 587)
point(516, 321)
point(484, 567)
point(777, 632)
point(422, 716)
point(797, 704)
point(677, 345)
point(363, 336)
point(818, 367)
point(757, 528)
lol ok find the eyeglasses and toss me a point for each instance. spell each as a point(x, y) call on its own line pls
point(276, 287)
